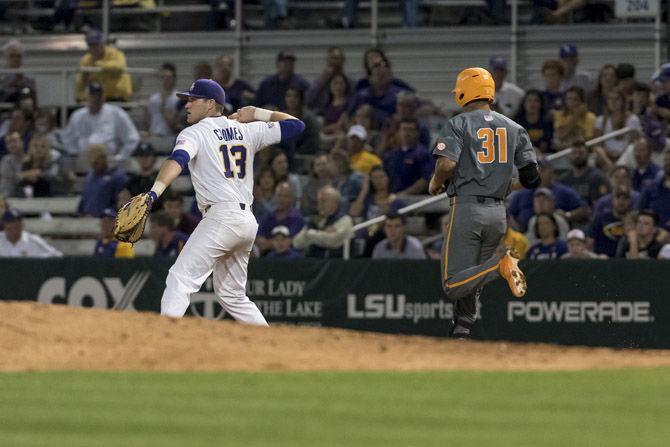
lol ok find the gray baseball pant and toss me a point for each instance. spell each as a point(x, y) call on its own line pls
point(476, 227)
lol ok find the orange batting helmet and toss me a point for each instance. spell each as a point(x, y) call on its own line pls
point(472, 84)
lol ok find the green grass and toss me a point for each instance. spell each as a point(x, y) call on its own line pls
point(602, 408)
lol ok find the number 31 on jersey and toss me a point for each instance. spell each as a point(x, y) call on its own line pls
point(490, 141)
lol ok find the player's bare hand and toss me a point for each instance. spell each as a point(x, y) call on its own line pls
point(244, 115)
point(435, 188)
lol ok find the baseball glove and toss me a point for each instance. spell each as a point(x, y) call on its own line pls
point(131, 219)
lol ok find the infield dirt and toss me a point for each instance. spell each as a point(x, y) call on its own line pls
point(39, 337)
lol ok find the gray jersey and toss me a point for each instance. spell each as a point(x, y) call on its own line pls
point(485, 145)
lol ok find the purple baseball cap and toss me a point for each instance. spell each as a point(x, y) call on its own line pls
point(662, 74)
point(93, 36)
point(498, 63)
point(108, 212)
point(653, 130)
point(568, 50)
point(205, 89)
point(11, 215)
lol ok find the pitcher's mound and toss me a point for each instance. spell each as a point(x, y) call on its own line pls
point(51, 337)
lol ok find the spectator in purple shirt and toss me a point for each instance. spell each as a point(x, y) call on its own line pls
point(619, 176)
point(308, 141)
point(607, 81)
point(372, 57)
point(238, 92)
point(410, 165)
point(272, 90)
point(319, 95)
point(174, 207)
point(407, 105)
point(552, 96)
point(656, 197)
point(549, 246)
point(381, 94)
point(102, 183)
point(645, 171)
point(11, 84)
point(573, 207)
point(334, 115)
point(608, 227)
point(169, 241)
point(375, 199)
point(538, 123)
point(285, 214)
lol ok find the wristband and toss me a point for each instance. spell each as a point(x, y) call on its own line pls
point(158, 188)
point(262, 114)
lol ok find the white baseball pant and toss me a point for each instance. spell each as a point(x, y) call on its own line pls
point(220, 243)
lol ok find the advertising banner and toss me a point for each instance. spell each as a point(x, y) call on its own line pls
point(617, 303)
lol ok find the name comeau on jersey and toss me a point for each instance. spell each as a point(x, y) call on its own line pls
point(230, 133)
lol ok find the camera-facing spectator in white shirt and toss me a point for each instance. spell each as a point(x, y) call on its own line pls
point(101, 123)
point(398, 245)
point(162, 108)
point(15, 242)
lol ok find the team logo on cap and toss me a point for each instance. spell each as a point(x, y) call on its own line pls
point(192, 86)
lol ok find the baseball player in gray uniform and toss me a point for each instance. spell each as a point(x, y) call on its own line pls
point(476, 155)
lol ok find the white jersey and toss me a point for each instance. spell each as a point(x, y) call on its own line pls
point(222, 157)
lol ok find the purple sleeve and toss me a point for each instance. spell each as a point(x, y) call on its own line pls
point(575, 200)
point(594, 228)
point(643, 201)
point(181, 157)
point(396, 205)
point(290, 129)
point(296, 224)
point(261, 100)
point(120, 182)
point(567, 198)
point(266, 225)
point(515, 205)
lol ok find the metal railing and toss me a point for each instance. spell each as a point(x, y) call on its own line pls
point(346, 248)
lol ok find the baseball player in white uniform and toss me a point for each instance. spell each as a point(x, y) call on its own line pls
point(219, 152)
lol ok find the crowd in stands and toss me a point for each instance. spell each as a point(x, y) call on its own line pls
point(74, 15)
point(365, 153)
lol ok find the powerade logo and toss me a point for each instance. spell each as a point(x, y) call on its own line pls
point(377, 306)
point(580, 311)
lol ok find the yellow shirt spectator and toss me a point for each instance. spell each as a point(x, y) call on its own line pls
point(146, 4)
point(517, 241)
point(115, 81)
point(577, 128)
point(574, 121)
point(124, 250)
point(364, 161)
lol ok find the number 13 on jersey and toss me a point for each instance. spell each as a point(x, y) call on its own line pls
point(239, 155)
point(489, 142)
